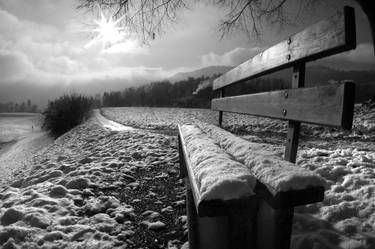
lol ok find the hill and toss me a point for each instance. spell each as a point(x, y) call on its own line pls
point(206, 71)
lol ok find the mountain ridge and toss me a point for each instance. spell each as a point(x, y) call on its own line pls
point(315, 74)
point(204, 71)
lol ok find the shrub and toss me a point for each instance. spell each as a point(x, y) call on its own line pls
point(66, 112)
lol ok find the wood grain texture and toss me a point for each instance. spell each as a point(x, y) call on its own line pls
point(293, 198)
point(325, 38)
point(330, 105)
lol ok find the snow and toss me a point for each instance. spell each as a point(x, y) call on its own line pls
point(348, 209)
point(216, 174)
point(109, 124)
point(79, 192)
point(260, 160)
point(130, 172)
point(20, 153)
point(262, 128)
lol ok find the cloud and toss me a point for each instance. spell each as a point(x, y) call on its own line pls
point(50, 53)
point(14, 66)
point(55, 12)
point(361, 58)
point(39, 58)
point(231, 58)
point(130, 47)
point(364, 53)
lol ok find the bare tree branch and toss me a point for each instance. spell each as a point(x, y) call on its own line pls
point(141, 17)
point(145, 18)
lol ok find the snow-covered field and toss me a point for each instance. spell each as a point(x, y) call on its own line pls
point(168, 118)
point(96, 188)
point(346, 159)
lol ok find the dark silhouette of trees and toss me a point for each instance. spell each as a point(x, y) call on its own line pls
point(183, 93)
point(16, 107)
point(162, 94)
point(66, 112)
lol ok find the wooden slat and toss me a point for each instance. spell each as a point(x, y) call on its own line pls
point(330, 105)
point(213, 208)
point(291, 198)
point(325, 38)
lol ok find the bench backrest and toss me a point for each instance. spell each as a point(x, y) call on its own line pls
point(330, 105)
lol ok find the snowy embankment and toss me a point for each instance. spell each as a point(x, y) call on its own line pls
point(95, 188)
point(18, 155)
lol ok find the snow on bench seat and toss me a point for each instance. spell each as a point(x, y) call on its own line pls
point(224, 167)
point(265, 164)
point(218, 181)
point(280, 177)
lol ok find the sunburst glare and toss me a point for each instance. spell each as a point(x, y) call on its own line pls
point(107, 31)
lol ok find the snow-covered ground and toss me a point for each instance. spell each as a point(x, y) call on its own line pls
point(97, 188)
point(21, 138)
point(263, 128)
point(345, 159)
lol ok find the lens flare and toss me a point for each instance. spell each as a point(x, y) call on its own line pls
point(107, 31)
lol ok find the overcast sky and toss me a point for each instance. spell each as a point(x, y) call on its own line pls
point(44, 51)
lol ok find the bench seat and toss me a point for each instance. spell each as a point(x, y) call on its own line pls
point(219, 180)
point(224, 168)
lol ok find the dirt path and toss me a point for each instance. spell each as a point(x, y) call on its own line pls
point(109, 124)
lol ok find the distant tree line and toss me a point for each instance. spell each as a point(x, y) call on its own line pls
point(16, 107)
point(189, 93)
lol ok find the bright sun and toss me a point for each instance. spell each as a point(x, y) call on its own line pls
point(107, 30)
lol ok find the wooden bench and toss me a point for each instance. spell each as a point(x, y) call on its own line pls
point(264, 219)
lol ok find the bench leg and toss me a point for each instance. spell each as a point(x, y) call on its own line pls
point(274, 227)
point(221, 232)
point(192, 217)
point(226, 232)
point(181, 159)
